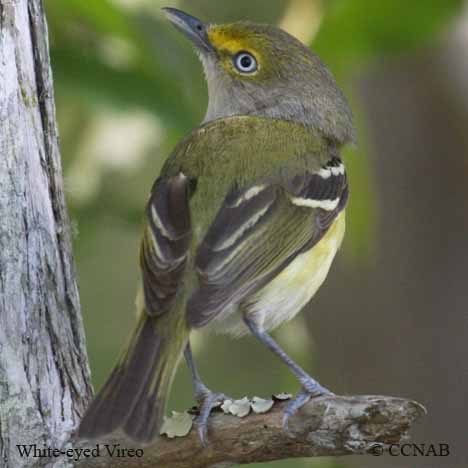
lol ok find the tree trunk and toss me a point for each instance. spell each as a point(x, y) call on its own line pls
point(44, 372)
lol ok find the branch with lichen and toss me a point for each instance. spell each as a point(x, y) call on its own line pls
point(326, 426)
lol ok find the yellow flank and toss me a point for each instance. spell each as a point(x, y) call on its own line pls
point(294, 287)
point(287, 294)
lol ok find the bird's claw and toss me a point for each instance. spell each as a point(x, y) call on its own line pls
point(308, 392)
point(207, 402)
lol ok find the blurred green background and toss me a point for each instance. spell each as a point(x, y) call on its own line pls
point(392, 316)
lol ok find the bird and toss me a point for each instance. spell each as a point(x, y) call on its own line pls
point(242, 224)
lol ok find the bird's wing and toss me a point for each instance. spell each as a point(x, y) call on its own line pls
point(165, 243)
point(258, 231)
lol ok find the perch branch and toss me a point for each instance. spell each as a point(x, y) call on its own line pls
point(326, 426)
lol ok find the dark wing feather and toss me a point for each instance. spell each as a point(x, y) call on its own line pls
point(258, 231)
point(165, 244)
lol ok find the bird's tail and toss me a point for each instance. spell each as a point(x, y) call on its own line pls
point(134, 397)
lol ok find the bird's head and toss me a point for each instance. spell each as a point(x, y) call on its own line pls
point(258, 69)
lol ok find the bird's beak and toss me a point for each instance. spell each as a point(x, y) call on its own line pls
point(191, 27)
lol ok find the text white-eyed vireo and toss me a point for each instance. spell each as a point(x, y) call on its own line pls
point(242, 224)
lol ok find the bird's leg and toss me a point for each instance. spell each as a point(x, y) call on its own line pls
point(205, 397)
point(310, 387)
point(199, 387)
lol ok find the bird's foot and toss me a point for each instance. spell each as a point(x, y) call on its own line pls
point(310, 389)
point(207, 400)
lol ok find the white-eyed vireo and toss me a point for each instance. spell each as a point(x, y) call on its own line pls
point(243, 222)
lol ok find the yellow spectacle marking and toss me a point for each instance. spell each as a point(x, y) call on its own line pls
point(222, 38)
point(232, 40)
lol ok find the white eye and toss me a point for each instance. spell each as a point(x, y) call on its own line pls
point(245, 62)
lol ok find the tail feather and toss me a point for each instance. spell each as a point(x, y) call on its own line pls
point(133, 398)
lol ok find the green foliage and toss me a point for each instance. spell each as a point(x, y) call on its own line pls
point(101, 16)
point(361, 29)
point(85, 35)
point(103, 85)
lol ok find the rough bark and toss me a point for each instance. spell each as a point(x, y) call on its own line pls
point(44, 373)
point(327, 426)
